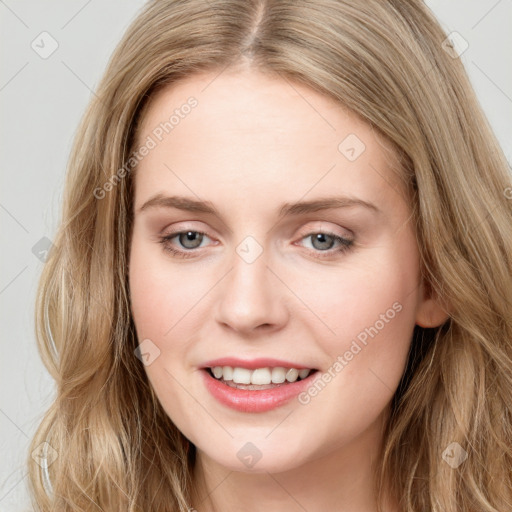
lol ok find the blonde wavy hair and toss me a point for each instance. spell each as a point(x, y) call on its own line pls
point(114, 448)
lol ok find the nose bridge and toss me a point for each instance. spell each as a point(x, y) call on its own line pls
point(250, 295)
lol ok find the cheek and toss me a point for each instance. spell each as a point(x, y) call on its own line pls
point(371, 309)
point(367, 312)
point(160, 302)
point(160, 293)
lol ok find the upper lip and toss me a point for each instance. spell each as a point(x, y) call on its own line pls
point(252, 364)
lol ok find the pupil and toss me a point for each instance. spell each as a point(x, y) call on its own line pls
point(191, 236)
point(321, 237)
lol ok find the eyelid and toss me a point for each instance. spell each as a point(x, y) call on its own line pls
point(180, 226)
point(321, 227)
point(179, 231)
point(304, 232)
point(326, 227)
point(344, 243)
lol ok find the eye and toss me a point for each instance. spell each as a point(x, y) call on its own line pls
point(189, 240)
point(324, 242)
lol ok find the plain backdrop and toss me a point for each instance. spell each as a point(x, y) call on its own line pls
point(42, 100)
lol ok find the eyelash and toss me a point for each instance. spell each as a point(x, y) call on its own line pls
point(346, 244)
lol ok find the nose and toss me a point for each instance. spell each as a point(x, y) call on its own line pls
point(251, 299)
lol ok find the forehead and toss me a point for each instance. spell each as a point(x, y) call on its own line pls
point(255, 131)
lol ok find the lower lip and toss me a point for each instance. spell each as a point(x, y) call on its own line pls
point(246, 400)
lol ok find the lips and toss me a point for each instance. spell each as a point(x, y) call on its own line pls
point(257, 385)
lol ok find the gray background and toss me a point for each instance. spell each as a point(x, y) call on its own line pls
point(42, 100)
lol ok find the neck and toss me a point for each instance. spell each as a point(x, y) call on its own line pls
point(341, 480)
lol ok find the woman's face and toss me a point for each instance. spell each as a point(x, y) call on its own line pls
point(297, 250)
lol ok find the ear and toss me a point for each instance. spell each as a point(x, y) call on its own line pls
point(431, 311)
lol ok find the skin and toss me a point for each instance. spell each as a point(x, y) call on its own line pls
point(253, 143)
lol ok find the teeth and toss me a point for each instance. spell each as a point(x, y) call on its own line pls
point(227, 373)
point(292, 375)
point(303, 373)
point(259, 376)
point(242, 376)
point(278, 375)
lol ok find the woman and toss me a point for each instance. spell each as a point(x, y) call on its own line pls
point(283, 279)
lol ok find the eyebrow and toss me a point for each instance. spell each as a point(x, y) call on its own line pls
point(290, 209)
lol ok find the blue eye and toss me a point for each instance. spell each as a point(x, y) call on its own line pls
point(188, 240)
point(323, 242)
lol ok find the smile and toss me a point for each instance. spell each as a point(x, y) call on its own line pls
point(256, 386)
point(259, 378)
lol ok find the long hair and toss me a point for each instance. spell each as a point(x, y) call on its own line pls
point(110, 443)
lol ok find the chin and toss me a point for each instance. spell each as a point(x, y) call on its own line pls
point(257, 456)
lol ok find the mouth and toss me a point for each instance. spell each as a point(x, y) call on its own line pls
point(258, 378)
point(256, 386)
